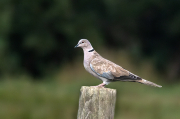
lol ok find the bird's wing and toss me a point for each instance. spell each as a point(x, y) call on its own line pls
point(109, 70)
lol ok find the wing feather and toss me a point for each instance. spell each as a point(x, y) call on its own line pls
point(109, 70)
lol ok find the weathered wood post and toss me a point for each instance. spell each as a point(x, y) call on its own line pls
point(96, 103)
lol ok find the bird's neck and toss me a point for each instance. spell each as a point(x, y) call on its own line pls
point(88, 49)
point(91, 50)
point(88, 53)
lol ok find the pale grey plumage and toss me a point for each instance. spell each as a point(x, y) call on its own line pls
point(106, 70)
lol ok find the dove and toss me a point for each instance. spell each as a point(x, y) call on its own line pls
point(106, 70)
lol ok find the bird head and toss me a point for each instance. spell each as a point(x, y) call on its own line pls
point(84, 44)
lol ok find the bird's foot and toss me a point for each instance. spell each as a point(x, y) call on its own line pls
point(102, 85)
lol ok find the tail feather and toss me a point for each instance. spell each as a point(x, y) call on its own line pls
point(143, 81)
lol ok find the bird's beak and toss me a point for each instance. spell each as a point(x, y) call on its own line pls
point(76, 46)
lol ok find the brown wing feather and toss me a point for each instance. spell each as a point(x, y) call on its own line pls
point(101, 65)
point(104, 67)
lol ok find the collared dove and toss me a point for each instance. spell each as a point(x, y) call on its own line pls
point(106, 70)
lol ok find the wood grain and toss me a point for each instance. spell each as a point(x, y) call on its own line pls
point(96, 103)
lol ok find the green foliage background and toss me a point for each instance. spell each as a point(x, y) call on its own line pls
point(41, 72)
point(36, 35)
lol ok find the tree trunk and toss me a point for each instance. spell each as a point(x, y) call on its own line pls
point(96, 103)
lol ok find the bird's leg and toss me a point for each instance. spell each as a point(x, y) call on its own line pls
point(101, 85)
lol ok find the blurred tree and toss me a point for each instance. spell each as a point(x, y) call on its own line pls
point(37, 35)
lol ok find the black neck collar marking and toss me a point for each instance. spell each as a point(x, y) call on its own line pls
point(91, 50)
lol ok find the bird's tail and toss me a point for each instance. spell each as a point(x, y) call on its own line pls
point(143, 81)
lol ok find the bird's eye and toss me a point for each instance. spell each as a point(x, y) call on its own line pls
point(82, 42)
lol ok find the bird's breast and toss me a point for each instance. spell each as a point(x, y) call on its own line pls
point(86, 66)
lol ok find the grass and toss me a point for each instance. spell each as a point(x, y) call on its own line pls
point(29, 100)
point(46, 100)
point(57, 98)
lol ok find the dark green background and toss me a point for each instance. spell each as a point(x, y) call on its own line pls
point(38, 34)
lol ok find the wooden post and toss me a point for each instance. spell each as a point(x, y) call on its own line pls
point(96, 103)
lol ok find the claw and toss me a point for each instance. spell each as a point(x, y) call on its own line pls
point(102, 85)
